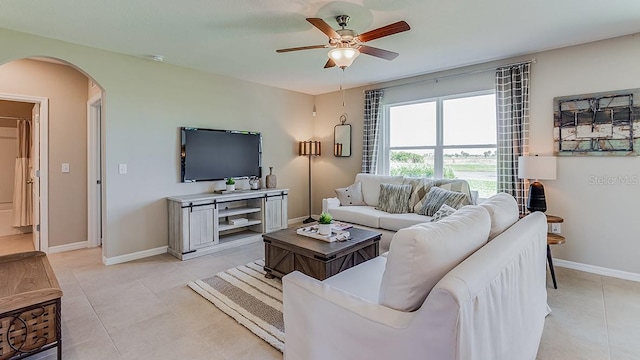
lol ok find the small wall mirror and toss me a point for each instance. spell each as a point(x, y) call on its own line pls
point(342, 140)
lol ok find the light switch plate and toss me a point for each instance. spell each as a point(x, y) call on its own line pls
point(66, 168)
point(122, 168)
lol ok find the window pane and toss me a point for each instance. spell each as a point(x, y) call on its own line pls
point(412, 125)
point(477, 166)
point(470, 120)
point(417, 163)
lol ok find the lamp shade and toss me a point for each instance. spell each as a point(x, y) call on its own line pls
point(343, 56)
point(309, 148)
point(537, 167)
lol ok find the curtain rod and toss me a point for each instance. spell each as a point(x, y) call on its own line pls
point(470, 72)
point(14, 118)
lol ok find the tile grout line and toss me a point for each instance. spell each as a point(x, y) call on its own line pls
point(606, 320)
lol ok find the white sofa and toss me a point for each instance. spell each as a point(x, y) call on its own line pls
point(489, 300)
point(367, 216)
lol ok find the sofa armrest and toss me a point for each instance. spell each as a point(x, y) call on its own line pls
point(331, 316)
point(330, 203)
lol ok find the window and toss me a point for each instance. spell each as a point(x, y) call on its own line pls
point(447, 137)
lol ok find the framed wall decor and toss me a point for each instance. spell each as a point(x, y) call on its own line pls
point(599, 124)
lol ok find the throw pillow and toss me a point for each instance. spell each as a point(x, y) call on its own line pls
point(444, 211)
point(438, 196)
point(394, 199)
point(419, 189)
point(456, 185)
point(351, 195)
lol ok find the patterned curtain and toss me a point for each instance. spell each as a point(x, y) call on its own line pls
point(512, 107)
point(371, 133)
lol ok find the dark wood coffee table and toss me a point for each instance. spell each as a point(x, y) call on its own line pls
point(285, 252)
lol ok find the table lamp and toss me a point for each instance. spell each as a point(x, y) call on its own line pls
point(537, 168)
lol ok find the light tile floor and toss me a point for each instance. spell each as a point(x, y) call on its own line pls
point(144, 310)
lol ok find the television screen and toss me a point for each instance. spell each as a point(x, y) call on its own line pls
point(209, 154)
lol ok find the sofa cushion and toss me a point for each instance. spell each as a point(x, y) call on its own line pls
point(419, 189)
point(351, 195)
point(363, 215)
point(362, 281)
point(504, 212)
point(394, 199)
point(422, 254)
point(444, 211)
point(371, 185)
point(438, 196)
point(458, 185)
point(395, 222)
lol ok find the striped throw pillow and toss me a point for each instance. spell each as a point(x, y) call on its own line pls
point(437, 197)
point(394, 199)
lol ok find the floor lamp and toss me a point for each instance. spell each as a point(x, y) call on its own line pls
point(309, 148)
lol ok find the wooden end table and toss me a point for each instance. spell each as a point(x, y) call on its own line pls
point(553, 239)
point(285, 252)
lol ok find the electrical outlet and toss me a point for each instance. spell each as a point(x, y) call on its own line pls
point(122, 169)
point(555, 228)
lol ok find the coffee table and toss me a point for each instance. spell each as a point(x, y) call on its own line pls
point(285, 252)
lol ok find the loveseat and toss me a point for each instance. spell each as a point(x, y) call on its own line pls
point(364, 211)
point(470, 286)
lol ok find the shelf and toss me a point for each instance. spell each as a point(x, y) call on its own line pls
point(238, 236)
point(225, 227)
point(237, 211)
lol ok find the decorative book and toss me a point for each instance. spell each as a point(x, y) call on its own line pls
point(312, 232)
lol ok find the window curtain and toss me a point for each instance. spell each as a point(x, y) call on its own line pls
point(512, 107)
point(22, 195)
point(371, 132)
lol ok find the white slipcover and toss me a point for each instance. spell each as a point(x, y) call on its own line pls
point(504, 212)
point(491, 306)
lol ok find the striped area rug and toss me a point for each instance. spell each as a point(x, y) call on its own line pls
point(251, 299)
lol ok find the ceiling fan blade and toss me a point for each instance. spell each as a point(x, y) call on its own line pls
point(391, 29)
point(330, 63)
point(302, 48)
point(324, 27)
point(381, 53)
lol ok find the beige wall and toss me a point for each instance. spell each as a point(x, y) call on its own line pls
point(66, 90)
point(145, 104)
point(600, 224)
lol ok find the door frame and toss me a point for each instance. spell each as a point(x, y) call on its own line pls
point(94, 166)
point(43, 164)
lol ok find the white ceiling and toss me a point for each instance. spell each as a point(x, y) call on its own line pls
point(238, 38)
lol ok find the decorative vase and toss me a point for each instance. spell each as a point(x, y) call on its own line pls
point(324, 229)
point(231, 187)
point(272, 180)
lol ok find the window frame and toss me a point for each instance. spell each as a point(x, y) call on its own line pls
point(438, 149)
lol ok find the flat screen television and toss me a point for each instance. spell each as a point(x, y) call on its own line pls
point(208, 154)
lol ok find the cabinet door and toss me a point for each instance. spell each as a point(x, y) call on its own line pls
point(201, 226)
point(275, 213)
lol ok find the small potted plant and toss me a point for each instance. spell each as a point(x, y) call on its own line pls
point(324, 224)
point(231, 184)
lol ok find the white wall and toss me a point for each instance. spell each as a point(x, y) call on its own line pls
point(145, 104)
point(600, 224)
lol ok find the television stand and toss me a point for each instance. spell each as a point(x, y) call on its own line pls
point(206, 223)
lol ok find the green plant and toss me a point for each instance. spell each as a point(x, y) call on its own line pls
point(230, 181)
point(325, 218)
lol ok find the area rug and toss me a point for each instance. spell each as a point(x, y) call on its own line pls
point(251, 299)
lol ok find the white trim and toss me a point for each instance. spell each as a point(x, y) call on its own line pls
point(44, 162)
point(134, 256)
point(597, 270)
point(93, 156)
point(299, 219)
point(68, 247)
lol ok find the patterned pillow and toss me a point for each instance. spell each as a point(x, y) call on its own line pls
point(394, 199)
point(444, 211)
point(437, 196)
point(419, 189)
point(457, 185)
point(351, 195)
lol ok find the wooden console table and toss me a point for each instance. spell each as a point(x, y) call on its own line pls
point(29, 306)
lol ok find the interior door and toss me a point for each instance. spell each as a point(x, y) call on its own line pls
point(34, 173)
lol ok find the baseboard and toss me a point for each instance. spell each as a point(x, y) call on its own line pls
point(625, 275)
point(134, 256)
point(298, 219)
point(68, 247)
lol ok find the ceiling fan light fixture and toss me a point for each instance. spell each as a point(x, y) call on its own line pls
point(343, 56)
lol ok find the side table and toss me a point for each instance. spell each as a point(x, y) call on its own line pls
point(553, 239)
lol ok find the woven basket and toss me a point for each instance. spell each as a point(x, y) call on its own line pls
point(28, 330)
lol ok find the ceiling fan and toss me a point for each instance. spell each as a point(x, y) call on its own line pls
point(346, 44)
